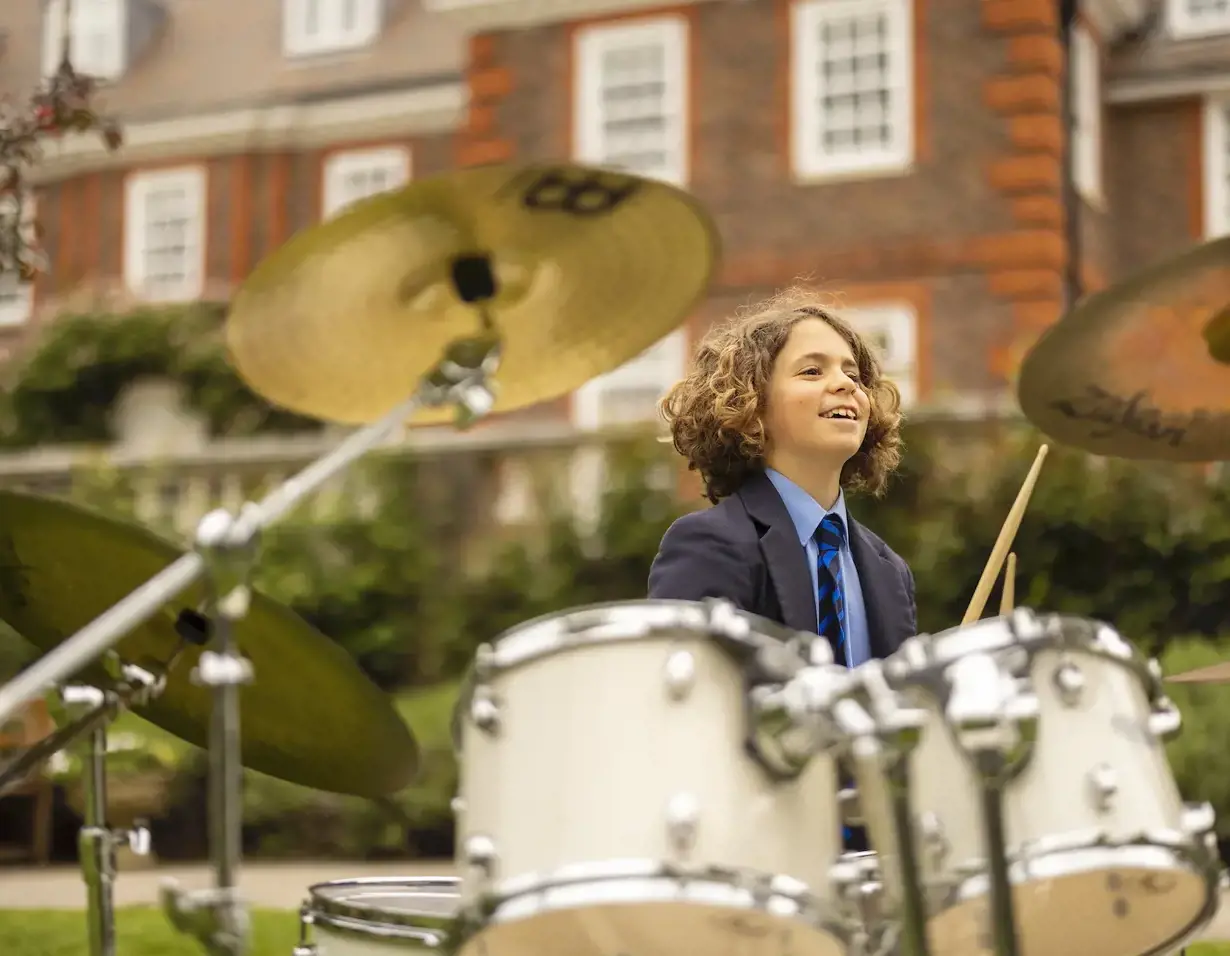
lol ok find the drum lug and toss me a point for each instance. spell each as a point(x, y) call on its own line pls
point(1104, 784)
point(480, 854)
point(1165, 721)
point(1069, 681)
point(935, 843)
point(680, 674)
point(1198, 819)
point(851, 807)
point(682, 819)
point(485, 711)
point(305, 947)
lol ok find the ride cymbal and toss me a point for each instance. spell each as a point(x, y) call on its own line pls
point(1141, 370)
point(588, 269)
point(310, 716)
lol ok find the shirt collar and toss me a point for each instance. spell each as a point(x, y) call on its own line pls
point(804, 510)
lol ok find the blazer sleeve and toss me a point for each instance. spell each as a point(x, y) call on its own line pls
point(699, 559)
point(912, 603)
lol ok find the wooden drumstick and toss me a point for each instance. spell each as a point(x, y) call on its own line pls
point(1004, 542)
point(1007, 597)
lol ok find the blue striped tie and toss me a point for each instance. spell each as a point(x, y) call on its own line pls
point(830, 603)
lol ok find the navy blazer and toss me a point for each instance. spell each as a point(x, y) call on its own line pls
point(746, 549)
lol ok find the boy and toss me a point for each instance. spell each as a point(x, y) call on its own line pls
point(784, 408)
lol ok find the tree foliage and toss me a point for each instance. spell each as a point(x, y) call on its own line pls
point(64, 389)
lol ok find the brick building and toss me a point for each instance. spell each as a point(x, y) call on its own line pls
point(907, 153)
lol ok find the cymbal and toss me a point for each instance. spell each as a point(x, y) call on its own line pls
point(1141, 370)
point(589, 268)
point(1212, 674)
point(310, 716)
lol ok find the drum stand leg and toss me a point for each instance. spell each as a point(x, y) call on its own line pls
point(97, 842)
point(994, 724)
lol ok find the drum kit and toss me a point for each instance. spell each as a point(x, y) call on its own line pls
point(641, 777)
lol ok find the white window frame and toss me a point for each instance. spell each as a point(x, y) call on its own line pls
point(1086, 156)
point(340, 167)
point(591, 45)
point(1183, 25)
point(1215, 167)
point(898, 322)
point(332, 34)
point(808, 161)
point(19, 309)
point(659, 367)
point(16, 310)
point(104, 17)
point(193, 180)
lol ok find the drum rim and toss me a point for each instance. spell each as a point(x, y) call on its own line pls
point(366, 919)
point(709, 618)
point(1033, 633)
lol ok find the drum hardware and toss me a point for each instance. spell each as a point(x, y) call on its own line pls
point(128, 686)
point(994, 725)
point(1141, 370)
point(857, 879)
point(880, 736)
point(217, 918)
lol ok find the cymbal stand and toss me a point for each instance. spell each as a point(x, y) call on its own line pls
point(97, 842)
point(461, 379)
point(217, 917)
point(994, 724)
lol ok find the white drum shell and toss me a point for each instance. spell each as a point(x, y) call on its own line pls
point(1097, 780)
point(625, 754)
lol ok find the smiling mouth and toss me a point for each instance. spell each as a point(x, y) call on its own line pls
point(841, 415)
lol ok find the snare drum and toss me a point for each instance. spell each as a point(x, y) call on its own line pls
point(378, 916)
point(608, 802)
point(1104, 856)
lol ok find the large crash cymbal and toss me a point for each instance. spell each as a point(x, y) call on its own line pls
point(590, 269)
point(1141, 370)
point(310, 716)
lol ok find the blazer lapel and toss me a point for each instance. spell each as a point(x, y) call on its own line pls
point(881, 586)
point(783, 554)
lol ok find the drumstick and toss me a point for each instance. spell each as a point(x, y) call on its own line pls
point(1003, 542)
point(1007, 597)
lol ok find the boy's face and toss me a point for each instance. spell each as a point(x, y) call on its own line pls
point(817, 408)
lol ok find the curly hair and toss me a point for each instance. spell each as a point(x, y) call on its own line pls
point(715, 414)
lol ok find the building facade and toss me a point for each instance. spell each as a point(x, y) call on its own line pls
point(907, 154)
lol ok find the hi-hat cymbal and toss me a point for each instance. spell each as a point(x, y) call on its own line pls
point(310, 716)
point(1212, 674)
point(1141, 370)
point(590, 269)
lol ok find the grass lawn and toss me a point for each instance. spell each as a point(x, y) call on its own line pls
point(140, 931)
point(144, 931)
